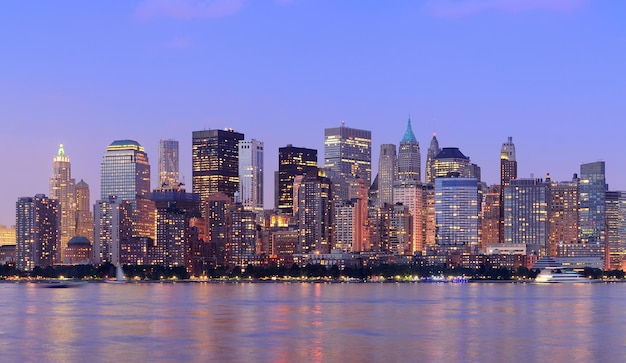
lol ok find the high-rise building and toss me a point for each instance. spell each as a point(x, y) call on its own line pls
point(241, 236)
point(428, 215)
point(616, 228)
point(395, 229)
point(433, 151)
point(112, 228)
point(409, 156)
point(37, 231)
point(251, 175)
point(84, 217)
point(348, 152)
point(408, 192)
point(63, 189)
point(175, 210)
point(387, 173)
point(508, 172)
point(314, 212)
point(168, 164)
point(350, 221)
point(592, 209)
point(526, 207)
point(563, 214)
point(457, 209)
point(490, 221)
point(125, 174)
point(292, 161)
point(216, 209)
point(215, 162)
point(451, 162)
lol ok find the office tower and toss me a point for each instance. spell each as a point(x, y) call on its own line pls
point(313, 197)
point(348, 152)
point(62, 188)
point(457, 209)
point(616, 228)
point(215, 162)
point(408, 192)
point(37, 230)
point(563, 214)
point(387, 173)
point(175, 210)
point(428, 215)
point(350, 221)
point(409, 156)
point(592, 209)
point(168, 164)
point(526, 206)
point(216, 209)
point(451, 162)
point(125, 174)
point(395, 229)
point(112, 228)
point(84, 217)
point(241, 236)
point(508, 171)
point(433, 151)
point(251, 175)
point(491, 218)
point(292, 161)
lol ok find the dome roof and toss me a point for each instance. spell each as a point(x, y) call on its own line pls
point(78, 240)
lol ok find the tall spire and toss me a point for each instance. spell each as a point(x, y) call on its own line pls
point(61, 155)
point(409, 136)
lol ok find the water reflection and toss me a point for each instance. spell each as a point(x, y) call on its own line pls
point(313, 322)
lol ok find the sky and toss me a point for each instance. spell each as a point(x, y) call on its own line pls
point(551, 74)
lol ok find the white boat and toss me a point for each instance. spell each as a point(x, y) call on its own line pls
point(560, 274)
point(119, 276)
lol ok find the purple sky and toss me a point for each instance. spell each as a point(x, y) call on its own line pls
point(84, 73)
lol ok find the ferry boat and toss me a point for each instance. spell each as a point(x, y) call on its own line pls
point(560, 274)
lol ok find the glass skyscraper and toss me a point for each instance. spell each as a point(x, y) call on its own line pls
point(348, 152)
point(292, 161)
point(592, 208)
point(457, 210)
point(168, 164)
point(387, 173)
point(251, 175)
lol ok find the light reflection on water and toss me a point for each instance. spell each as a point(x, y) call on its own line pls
point(282, 322)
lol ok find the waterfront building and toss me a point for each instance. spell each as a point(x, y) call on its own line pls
point(84, 215)
point(175, 210)
point(241, 237)
point(168, 164)
point(457, 210)
point(396, 230)
point(616, 228)
point(592, 209)
point(63, 189)
point(409, 156)
point(125, 175)
point(451, 162)
point(350, 221)
point(216, 211)
point(313, 196)
point(283, 245)
point(7, 235)
point(491, 217)
point(215, 162)
point(37, 232)
point(408, 192)
point(508, 172)
point(387, 174)
point(112, 228)
point(563, 214)
point(251, 175)
point(526, 206)
point(428, 215)
point(347, 151)
point(433, 151)
point(292, 161)
point(78, 251)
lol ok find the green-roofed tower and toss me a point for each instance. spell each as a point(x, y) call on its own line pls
point(409, 156)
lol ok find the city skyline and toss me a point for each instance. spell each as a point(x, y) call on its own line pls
point(147, 72)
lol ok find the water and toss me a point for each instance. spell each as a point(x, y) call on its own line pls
point(281, 322)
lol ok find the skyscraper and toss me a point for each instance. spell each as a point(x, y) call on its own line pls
point(314, 212)
point(62, 188)
point(292, 161)
point(508, 172)
point(348, 152)
point(526, 207)
point(112, 228)
point(457, 210)
point(37, 231)
point(409, 156)
point(592, 209)
point(433, 151)
point(125, 174)
point(408, 192)
point(168, 164)
point(251, 175)
point(84, 217)
point(451, 162)
point(616, 228)
point(563, 214)
point(215, 162)
point(387, 173)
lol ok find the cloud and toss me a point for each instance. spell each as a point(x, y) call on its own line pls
point(178, 43)
point(463, 8)
point(187, 9)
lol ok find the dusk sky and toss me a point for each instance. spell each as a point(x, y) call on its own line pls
point(551, 74)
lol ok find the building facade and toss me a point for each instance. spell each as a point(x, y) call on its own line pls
point(526, 207)
point(169, 177)
point(592, 209)
point(387, 174)
point(409, 156)
point(37, 226)
point(348, 152)
point(63, 189)
point(457, 208)
point(292, 161)
point(433, 151)
point(251, 175)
